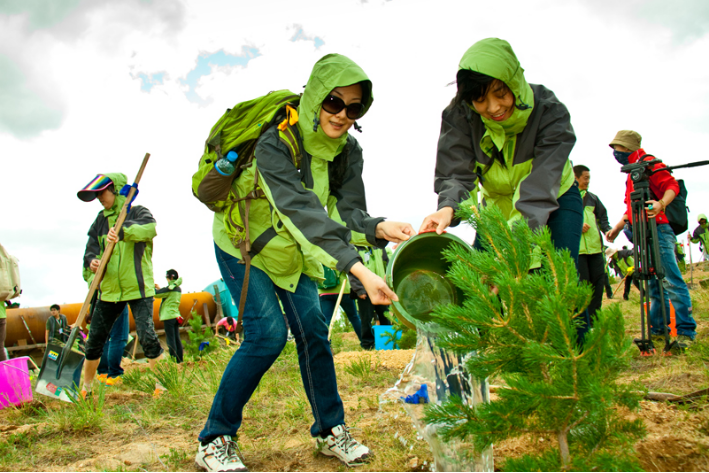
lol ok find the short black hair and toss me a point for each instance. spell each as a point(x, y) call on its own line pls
point(472, 86)
point(54, 306)
point(172, 274)
point(580, 169)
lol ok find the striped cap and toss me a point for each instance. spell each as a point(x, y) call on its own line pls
point(97, 184)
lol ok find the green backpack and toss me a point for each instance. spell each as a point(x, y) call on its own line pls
point(332, 279)
point(239, 130)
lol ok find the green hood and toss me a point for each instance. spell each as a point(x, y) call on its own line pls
point(333, 70)
point(175, 283)
point(701, 216)
point(119, 180)
point(494, 57)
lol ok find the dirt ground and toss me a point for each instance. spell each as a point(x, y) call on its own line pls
point(677, 436)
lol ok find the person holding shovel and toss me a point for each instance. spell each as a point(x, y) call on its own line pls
point(129, 274)
point(298, 236)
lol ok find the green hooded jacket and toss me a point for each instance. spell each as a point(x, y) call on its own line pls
point(170, 295)
point(314, 209)
point(524, 161)
point(129, 274)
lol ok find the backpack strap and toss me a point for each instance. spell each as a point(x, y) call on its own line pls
point(289, 137)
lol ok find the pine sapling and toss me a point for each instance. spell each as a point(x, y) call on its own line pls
point(521, 328)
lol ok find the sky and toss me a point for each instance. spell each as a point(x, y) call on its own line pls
point(90, 86)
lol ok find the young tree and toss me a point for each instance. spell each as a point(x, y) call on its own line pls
point(521, 328)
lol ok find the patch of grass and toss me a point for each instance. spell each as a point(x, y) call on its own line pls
point(361, 368)
point(138, 379)
point(88, 414)
point(177, 458)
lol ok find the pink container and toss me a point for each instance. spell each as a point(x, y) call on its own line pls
point(15, 387)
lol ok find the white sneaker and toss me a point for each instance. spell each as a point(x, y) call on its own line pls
point(219, 455)
point(342, 446)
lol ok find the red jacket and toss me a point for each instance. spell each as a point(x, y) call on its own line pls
point(659, 183)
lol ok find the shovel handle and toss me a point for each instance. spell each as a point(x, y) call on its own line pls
point(109, 248)
point(337, 306)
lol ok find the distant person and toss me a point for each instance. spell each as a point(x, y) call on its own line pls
point(607, 277)
point(129, 275)
point(592, 263)
point(229, 326)
point(701, 236)
point(328, 300)
point(57, 326)
point(376, 260)
point(623, 264)
point(664, 188)
point(110, 371)
point(679, 256)
point(170, 312)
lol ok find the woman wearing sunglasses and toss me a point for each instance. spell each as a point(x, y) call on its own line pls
point(308, 217)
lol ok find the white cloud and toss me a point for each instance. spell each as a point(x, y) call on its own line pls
point(612, 74)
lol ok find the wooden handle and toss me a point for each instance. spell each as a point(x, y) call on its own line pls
point(337, 306)
point(109, 248)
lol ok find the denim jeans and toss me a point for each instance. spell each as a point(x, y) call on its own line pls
point(266, 335)
point(327, 304)
point(110, 363)
point(104, 317)
point(674, 288)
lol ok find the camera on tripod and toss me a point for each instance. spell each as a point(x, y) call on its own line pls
point(640, 171)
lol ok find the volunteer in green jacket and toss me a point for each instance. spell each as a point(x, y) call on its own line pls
point(376, 260)
point(170, 311)
point(701, 236)
point(623, 263)
point(512, 140)
point(292, 235)
point(592, 263)
point(129, 275)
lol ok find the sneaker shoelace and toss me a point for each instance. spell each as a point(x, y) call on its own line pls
point(345, 441)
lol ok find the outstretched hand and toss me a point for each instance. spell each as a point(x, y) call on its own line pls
point(438, 221)
point(377, 289)
point(396, 232)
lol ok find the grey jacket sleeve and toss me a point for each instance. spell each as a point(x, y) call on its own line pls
point(455, 174)
point(351, 201)
point(552, 145)
point(601, 216)
point(300, 205)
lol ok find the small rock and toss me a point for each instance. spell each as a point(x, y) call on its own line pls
point(413, 463)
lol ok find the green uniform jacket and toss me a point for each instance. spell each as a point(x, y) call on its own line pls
point(523, 166)
point(171, 295)
point(129, 274)
point(623, 260)
point(595, 215)
point(291, 231)
point(3, 312)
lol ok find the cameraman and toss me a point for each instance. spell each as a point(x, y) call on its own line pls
point(627, 150)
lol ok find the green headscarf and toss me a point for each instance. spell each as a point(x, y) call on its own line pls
point(333, 70)
point(119, 180)
point(494, 57)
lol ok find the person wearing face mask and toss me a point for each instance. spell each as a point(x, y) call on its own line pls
point(701, 235)
point(627, 150)
point(306, 217)
point(511, 140)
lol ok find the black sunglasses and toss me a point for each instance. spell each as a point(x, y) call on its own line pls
point(334, 105)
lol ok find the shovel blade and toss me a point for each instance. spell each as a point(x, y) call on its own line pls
point(60, 374)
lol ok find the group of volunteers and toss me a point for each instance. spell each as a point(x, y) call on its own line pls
point(500, 136)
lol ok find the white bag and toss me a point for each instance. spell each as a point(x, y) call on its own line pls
point(10, 286)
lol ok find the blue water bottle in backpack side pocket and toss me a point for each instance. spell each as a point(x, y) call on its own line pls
point(226, 165)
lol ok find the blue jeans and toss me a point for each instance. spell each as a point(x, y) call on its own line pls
point(327, 304)
point(266, 334)
point(674, 288)
point(110, 363)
